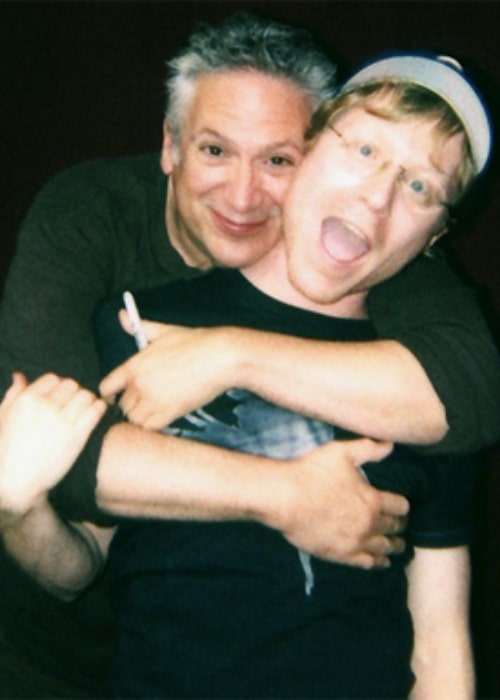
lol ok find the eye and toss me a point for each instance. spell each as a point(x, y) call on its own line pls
point(212, 150)
point(366, 150)
point(281, 161)
point(421, 191)
point(418, 186)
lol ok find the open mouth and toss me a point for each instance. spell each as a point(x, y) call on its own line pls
point(342, 241)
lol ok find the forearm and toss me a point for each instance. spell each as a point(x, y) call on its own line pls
point(74, 497)
point(319, 502)
point(61, 557)
point(375, 388)
point(148, 474)
point(429, 310)
point(438, 597)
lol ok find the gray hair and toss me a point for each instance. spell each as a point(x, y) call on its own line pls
point(247, 42)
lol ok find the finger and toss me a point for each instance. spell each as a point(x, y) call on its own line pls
point(18, 385)
point(392, 525)
point(82, 401)
point(380, 546)
point(152, 329)
point(144, 414)
point(89, 418)
point(366, 450)
point(393, 504)
point(366, 560)
point(128, 402)
point(133, 410)
point(398, 545)
point(379, 562)
point(45, 384)
point(156, 421)
point(114, 383)
point(125, 322)
point(63, 391)
point(19, 380)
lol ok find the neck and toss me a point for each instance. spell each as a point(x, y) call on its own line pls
point(270, 276)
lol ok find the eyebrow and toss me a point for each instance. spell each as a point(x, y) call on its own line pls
point(265, 149)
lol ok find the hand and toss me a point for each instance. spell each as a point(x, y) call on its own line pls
point(334, 513)
point(182, 369)
point(43, 427)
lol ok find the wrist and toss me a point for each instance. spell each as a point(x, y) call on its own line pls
point(16, 499)
point(241, 356)
point(272, 501)
point(14, 510)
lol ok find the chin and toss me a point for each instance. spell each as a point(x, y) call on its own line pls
point(237, 258)
point(242, 253)
point(320, 294)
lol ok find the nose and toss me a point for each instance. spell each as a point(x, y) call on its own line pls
point(243, 188)
point(380, 188)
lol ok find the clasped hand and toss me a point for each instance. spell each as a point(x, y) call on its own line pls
point(182, 369)
point(43, 427)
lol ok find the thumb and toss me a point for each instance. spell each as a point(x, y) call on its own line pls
point(151, 329)
point(18, 385)
point(366, 450)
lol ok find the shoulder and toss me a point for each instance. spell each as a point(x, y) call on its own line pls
point(424, 276)
point(129, 176)
point(97, 201)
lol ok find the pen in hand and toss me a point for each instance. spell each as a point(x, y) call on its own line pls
point(135, 320)
point(139, 334)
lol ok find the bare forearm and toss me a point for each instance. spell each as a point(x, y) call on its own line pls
point(377, 389)
point(438, 598)
point(148, 474)
point(62, 558)
point(318, 502)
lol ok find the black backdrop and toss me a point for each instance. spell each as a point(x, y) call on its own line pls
point(80, 80)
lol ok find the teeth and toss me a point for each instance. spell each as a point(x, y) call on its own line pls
point(353, 229)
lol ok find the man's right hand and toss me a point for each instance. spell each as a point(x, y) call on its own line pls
point(333, 513)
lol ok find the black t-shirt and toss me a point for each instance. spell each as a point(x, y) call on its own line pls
point(99, 228)
point(232, 609)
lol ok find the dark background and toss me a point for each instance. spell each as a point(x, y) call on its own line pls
point(80, 80)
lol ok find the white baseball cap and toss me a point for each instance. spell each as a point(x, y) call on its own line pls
point(444, 76)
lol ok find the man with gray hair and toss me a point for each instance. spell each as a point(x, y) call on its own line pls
point(100, 228)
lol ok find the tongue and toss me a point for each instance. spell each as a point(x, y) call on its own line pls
point(340, 242)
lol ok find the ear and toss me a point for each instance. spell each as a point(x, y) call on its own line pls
point(439, 234)
point(435, 238)
point(167, 151)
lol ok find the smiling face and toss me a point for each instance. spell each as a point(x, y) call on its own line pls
point(241, 140)
point(367, 199)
